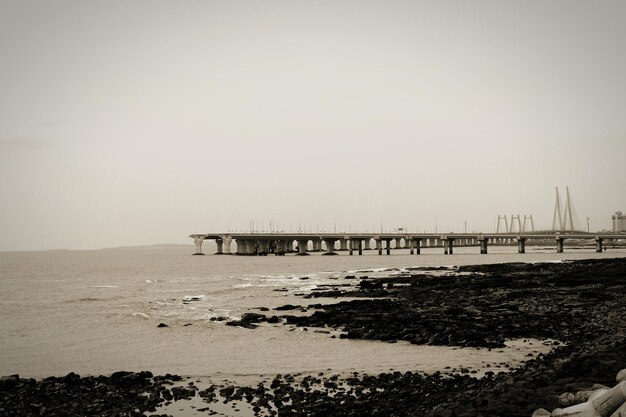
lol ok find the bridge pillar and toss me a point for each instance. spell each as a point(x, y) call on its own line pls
point(302, 247)
point(351, 247)
point(367, 244)
point(344, 244)
point(398, 243)
point(242, 246)
point(254, 245)
point(330, 247)
point(407, 243)
point(411, 250)
point(226, 245)
point(521, 245)
point(280, 247)
point(356, 244)
point(219, 243)
point(559, 244)
point(220, 246)
point(317, 245)
point(264, 247)
point(484, 244)
point(388, 246)
point(598, 245)
point(448, 244)
point(379, 246)
point(198, 240)
point(416, 245)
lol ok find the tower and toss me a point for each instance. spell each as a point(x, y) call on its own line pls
point(565, 220)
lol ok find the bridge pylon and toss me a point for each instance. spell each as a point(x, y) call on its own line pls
point(563, 221)
point(514, 223)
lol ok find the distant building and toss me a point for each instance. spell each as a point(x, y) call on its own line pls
point(619, 222)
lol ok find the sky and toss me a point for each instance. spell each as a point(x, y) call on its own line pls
point(140, 122)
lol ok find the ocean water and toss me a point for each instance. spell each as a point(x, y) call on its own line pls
point(96, 312)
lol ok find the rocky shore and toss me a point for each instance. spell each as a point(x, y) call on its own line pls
point(581, 304)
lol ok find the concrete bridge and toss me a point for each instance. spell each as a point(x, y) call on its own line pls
point(330, 243)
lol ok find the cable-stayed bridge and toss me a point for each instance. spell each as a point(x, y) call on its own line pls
point(514, 232)
point(330, 243)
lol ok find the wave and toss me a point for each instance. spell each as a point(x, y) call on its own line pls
point(188, 298)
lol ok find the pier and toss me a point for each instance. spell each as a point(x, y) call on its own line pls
point(355, 243)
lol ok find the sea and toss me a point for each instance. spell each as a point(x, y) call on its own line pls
point(98, 311)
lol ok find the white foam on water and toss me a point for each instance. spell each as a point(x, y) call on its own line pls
point(227, 314)
point(368, 270)
point(194, 297)
point(142, 315)
point(307, 288)
point(280, 281)
point(552, 261)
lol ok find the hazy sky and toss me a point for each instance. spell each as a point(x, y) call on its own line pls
point(140, 122)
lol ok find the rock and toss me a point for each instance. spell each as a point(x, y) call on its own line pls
point(567, 399)
point(239, 323)
point(373, 285)
point(582, 396)
point(287, 307)
point(163, 325)
point(9, 381)
point(253, 318)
